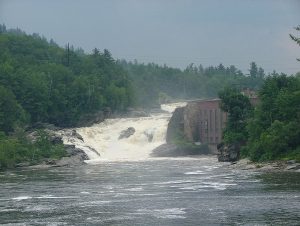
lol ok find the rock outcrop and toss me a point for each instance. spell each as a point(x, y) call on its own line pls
point(75, 157)
point(191, 122)
point(127, 133)
point(73, 134)
point(176, 125)
point(180, 141)
point(228, 153)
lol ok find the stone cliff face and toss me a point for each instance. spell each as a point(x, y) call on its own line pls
point(176, 125)
point(182, 133)
point(199, 123)
point(191, 122)
point(184, 121)
point(228, 153)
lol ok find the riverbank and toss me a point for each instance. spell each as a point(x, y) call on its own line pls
point(274, 166)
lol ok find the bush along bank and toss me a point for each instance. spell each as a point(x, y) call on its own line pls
point(270, 131)
point(41, 148)
point(19, 150)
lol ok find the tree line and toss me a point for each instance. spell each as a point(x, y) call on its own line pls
point(154, 84)
point(42, 82)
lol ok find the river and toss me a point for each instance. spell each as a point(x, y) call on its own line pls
point(121, 188)
point(178, 191)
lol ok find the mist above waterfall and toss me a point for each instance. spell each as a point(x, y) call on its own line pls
point(102, 142)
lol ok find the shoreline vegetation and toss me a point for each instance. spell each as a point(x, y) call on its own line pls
point(43, 83)
point(270, 130)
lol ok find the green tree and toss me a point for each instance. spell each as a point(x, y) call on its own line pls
point(274, 130)
point(253, 70)
point(11, 113)
point(239, 109)
point(261, 72)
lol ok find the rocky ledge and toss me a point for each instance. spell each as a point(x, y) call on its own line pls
point(276, 166)
point(74, 156)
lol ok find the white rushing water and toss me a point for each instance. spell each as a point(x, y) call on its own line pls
point(101, 141)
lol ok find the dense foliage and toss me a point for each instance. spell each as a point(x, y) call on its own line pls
point(239, 108)
point(42, 82)
point(18, 149)
point(154, 84)
point(273, 130)
point(56, 85)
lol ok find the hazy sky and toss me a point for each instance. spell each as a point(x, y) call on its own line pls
point(175, 32)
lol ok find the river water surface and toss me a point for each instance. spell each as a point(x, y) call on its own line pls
point(174, 191)
point(122, 185)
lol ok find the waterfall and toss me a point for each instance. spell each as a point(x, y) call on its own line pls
point(101, 141)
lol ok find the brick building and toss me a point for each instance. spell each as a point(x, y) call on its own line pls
point(204, 121)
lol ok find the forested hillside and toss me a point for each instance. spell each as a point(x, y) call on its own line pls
point(43, 82)
point(154, 84)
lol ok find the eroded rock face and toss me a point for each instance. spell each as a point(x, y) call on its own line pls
point(228, 153)
point(127, 133)
point(75, 157)
point(191, 122)
point(54, 138)
point(175, 125)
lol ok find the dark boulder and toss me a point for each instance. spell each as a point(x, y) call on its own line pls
point(76, 135)
point(127, 133)
point(228, 153)
point(75, 156)
point(55, 139)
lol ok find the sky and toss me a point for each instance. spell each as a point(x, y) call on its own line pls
point(171, 32)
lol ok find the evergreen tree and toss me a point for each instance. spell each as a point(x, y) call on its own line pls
point(239, 109)
point(253, 70)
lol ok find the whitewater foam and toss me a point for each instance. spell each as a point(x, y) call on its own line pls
point(101, 141)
